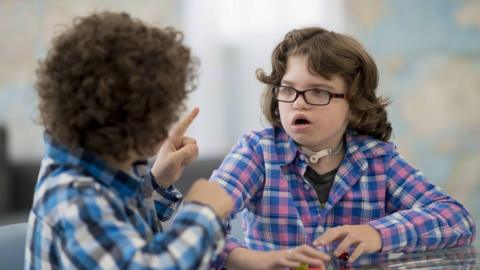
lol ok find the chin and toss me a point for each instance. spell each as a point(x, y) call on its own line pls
point(300, 139)
point(305, 140)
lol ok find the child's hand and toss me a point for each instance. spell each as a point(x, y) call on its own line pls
point(176, 152)
point(211, 194)
point(364, 237)
point(243, 258)
point(292, 258)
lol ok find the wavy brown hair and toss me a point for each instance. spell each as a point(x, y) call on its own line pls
point(112, 84)
point(329, 54)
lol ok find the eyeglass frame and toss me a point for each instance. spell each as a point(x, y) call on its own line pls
point(331, 95)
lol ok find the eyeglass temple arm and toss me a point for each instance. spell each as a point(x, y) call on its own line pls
point(334, 95)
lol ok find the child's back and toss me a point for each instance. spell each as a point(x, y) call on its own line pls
point(109, 89)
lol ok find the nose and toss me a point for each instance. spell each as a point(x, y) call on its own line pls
point(300, 102)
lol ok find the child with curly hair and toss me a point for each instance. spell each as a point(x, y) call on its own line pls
point(109, 90)
point(324, 179)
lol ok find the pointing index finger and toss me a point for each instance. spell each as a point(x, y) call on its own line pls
point(179, 129)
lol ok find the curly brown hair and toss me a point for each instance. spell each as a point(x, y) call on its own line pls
point(329, 54)
point(112, 84)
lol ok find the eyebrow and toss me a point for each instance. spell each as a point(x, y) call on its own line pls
point(316, 85)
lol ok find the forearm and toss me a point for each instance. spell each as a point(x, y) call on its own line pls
point(443, 224)
point(197, 236)
point(243, 258)
point(424, 217)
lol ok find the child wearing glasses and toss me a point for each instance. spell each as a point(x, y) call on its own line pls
point(324, 181)
point(109, 89)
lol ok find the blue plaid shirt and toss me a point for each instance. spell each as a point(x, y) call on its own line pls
point(264, 173)
point(86, 215)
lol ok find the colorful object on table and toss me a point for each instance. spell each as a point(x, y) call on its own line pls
point(344, 256)
point(302, 266)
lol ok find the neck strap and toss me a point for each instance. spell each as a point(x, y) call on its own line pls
point(314, 157)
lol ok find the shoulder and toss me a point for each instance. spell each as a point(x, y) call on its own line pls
point(263, 136)
point(369, 146)
point(272, 143)
point(64, 191)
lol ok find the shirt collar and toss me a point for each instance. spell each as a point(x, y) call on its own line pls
point(93, 165)
point(358, 148)
point(286, 148)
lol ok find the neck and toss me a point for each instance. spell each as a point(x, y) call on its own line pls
point(327, 159)
point(328, 163)
point(314, 156)
point(124, 166)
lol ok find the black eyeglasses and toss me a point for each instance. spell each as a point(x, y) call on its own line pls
point(317, 97)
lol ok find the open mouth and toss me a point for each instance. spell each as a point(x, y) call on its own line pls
point(300, 121)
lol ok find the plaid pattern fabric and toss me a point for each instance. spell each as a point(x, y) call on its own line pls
point(86, 215)
point(374, 185)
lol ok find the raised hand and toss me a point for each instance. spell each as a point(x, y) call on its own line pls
point(364, 238)
point(175, 152)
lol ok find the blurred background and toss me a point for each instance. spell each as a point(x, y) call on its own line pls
point(428, 53)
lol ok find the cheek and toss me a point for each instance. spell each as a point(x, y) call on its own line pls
point(152, 152)
point(342, 113)
point(283, 111)
point(333, 118)
point(158, 146)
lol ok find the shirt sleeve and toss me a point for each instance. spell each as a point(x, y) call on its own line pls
point(241, 174)
point(420, 216)
point(93, 233)
point(166, 200)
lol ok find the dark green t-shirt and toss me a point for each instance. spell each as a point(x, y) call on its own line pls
point(322, 183)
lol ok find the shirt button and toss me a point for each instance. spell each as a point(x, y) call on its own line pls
point(319, 231)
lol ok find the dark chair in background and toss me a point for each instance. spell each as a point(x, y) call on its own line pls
point(17, 182)
point(12, 245)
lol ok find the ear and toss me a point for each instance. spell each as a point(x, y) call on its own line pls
point(349, 118)
point(349, 115)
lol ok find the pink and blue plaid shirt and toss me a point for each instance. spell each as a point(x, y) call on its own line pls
point(264, 173)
